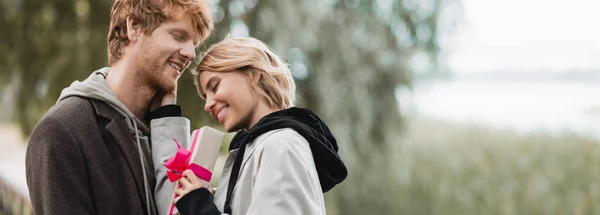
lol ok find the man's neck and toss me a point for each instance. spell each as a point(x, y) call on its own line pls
point(136, 96)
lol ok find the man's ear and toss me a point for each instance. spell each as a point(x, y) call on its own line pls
point(133, 29)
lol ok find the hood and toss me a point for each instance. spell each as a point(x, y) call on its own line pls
point(330, 167)
point(95, 87)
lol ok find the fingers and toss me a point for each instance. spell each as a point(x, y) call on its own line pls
point(180, 191)
point(187, 183)
point(192, 177)
point(170, 97)
point(176, 199)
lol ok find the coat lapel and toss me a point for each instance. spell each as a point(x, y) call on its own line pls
point(117, 127)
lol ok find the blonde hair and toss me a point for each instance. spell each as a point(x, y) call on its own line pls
point(271, 76)
point(150, 14)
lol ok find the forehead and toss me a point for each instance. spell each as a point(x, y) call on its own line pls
point(236, 78)
point(205, 76)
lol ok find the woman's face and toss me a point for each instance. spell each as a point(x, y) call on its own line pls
point(230, 99)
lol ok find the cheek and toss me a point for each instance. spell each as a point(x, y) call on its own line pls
point(159, 46)
point(169, 44)
point(149, 53)
point(221, 96)
point(247, 99)
point(228, 95)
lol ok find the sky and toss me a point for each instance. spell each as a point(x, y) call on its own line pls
point(527, 35)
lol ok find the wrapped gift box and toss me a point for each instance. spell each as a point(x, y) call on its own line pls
point(204, 150)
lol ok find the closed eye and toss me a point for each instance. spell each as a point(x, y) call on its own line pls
point(178, 36)
point(215, 87)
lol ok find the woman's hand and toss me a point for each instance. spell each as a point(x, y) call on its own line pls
point(187, 183)
point(162, 99)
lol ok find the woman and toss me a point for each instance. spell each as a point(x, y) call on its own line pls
point(282, 159)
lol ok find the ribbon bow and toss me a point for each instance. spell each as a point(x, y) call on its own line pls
point(181, 162)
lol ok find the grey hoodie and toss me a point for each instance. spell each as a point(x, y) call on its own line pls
point(165, 129)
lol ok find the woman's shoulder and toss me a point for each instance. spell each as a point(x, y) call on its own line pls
point(280, 135)
point(284, 139)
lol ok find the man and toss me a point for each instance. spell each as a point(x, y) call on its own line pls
point(92, 153)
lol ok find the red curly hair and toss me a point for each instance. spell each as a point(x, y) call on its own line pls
point(150, 14)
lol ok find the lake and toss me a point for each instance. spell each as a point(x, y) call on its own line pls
point(523, 106)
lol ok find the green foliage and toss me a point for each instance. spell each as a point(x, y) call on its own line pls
point(49, 45)
point(475, 170)
point(348, 57)
point(54, 42)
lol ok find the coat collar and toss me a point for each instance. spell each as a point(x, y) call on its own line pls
point(117, 127)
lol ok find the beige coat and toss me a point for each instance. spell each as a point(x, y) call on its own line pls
point(278, 176)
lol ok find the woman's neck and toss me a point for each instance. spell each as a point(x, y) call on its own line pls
point(261, 111)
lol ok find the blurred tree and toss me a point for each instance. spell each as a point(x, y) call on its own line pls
point(49, 44)
point(348, 58)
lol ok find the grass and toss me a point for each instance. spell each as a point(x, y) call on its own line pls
point(457, 169)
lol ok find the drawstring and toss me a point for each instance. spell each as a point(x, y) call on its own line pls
point(235, 171)
point(143, 167)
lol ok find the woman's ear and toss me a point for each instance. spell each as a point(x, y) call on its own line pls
point(133, 29)
point(254, 77)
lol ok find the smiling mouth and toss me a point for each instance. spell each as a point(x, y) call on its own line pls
point(175, 66)
point(221, 114)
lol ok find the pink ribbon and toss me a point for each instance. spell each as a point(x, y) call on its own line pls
point(177, 164)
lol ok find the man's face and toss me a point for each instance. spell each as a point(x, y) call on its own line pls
point(161, 57)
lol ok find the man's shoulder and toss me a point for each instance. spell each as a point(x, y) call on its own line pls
point(62, 122)
point(70, 107)
point(70, 111)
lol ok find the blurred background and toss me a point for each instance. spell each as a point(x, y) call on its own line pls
point(439, 106)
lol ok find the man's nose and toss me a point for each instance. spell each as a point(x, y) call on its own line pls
point(188, 52)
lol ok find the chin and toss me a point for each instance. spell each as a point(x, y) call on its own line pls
point(232, 127)
point(166, 83)
point(167, 87)
point(229, 130)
